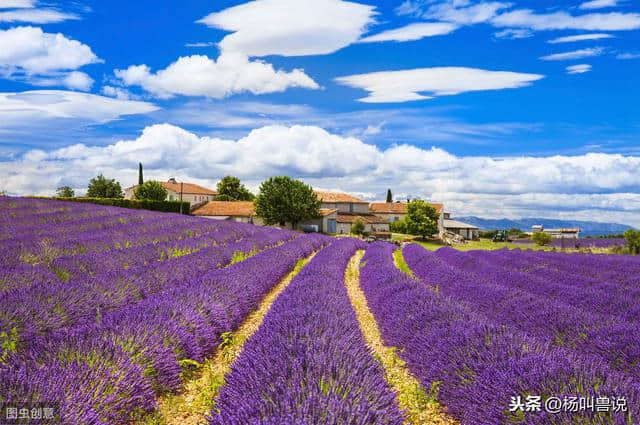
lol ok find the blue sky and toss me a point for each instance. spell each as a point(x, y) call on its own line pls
point(496, 108)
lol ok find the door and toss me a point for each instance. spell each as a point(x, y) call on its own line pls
point(331, 226)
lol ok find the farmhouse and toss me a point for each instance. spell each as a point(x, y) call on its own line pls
point(349, 208)
point(188, 192)
point(394, 211)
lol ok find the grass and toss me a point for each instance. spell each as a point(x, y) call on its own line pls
point(398, 258)
point(482, 244)
point(419, 404)
point(198, 398)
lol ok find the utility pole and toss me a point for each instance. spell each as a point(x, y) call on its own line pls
point(181, 197)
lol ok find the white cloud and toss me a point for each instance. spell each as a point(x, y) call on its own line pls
point(118, 93)
point(525, 18)
point(32, 107)
point(581, 37)
point(514, 34)
point(407, 85)
point(36, 16)
point(291, 27)
point(627, 56)
point(578, 69)
point(17, 4)
point(598, 4)
point(463, 12)
point(576, 54)
point(584, 184)
point(29, 54)
point(412, 32)
point(202, 76)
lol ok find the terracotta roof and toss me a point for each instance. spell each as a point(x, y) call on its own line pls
point(326, 211)
point(189, 188)
point(397, 207)
point(366, 218)
point(338, 197)
point(226, 209)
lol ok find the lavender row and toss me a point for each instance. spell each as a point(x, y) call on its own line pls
point(579, 290)
point(476, 366)
point(496, 296)
point(110, 370)
point(308, 362)
point(36, 310)
point(623, 270)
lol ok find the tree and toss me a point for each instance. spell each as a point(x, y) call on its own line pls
point(421, 219)
point(399, 226)
point(357, 227)
point(151, 190)
point(285, 200)
point(541, 238)
point(65, 192)
point(389, 196)
point(235, 190)
point(101, 187)
point(633, 240)
point(140, 179)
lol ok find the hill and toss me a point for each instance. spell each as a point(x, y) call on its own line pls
point(587, 228)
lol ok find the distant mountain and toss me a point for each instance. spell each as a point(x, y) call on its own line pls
point(587, 228)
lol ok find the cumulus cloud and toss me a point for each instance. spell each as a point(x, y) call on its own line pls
point(576, 54)
point(469, 184)
point(30, 54)
point(291, 27)
point(598, 4)
point(578, 69)
point(581, 37)
point(407, 85)
point(32, 107)
point(412, 32)
point(526, 18)
point(199, 75)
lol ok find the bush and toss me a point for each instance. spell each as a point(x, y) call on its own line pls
point(633, 240)
point(541, 238)
point(136, 204)
point(357, 228)
point(399, 226)
point(151, 190)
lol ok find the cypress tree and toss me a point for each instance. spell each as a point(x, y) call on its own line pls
point(140, 180)
point(389, 196)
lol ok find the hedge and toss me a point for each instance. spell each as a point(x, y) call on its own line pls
point(137, 204)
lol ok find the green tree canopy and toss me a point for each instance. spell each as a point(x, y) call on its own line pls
point(65, 192)
point(101, 187)
point(357, 227)
point(151, 190)
point(389, 196)
point(421, 219)
point(633, 240)
point(285, 200)
point(231, 187)
point(541, 238)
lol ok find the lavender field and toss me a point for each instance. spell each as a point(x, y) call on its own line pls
point(108, 312)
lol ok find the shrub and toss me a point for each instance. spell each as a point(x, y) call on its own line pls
point(399, 226)
point(137, 204)
point(151, 190)
point(633, 240)
point(541, 238)
point(357, 228)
